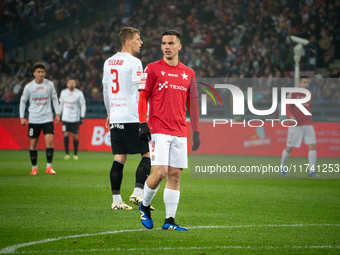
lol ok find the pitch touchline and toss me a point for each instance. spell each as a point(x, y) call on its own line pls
point(12, 249)
point(193, 248)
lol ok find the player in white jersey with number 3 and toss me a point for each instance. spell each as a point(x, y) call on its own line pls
point(72, 108)
point(39, 94)
point(121, 78)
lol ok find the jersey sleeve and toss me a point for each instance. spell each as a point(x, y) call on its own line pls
point(82, 105)
point(105, 75)
point(55, 101)
point(136, 72)
point(23, 100)
point(193, 87)
point(147, 80)
point(61, 102)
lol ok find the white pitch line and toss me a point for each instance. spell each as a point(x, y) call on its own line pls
point(192, 248)
point(12, 249)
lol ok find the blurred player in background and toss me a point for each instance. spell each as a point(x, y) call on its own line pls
point(72, 109)
point(121, 78)
point(168, 85)
point(302, 131)
point(39, 94)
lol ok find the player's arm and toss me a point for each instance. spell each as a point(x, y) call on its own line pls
point(144, 131)
point(22, 106)
point(147, 82)
point(192, 104)
point(82, 108)
point(55, 105)
point(61, 103)
point(107, 105)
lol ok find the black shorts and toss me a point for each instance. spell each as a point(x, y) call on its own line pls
point(72, 127)
point(125, 140)
point(35, 129)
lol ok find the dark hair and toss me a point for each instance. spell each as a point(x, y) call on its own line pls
point(39, 65)
point(127, 33)
point(303, 77)
point(172, 32)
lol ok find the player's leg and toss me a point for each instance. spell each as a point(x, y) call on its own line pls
point(116, 172)
point(116, 178)
point(66, 140)
point(34, 155)
point(132, 144)
point(33, 134)
point(159, 149)
point(152, 183)
point(294, 138)
point(312, 157)
point(171, 198)
point(310, 140)
point(74, 129)
point(75, 145)
point(284, 157)
point(142, 172)
point(178, 161)
point(151, 187)
point(48, 130)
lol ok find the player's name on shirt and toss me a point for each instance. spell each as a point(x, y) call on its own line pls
point(113, 62)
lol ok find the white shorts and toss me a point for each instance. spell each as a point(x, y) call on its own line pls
point(168, 150)
point(296, 134)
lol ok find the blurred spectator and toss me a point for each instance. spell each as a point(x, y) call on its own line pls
point(326, 47)
point(7, 96)
point(17, 87)
point(28, 72)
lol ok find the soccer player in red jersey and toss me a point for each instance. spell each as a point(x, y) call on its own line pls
point(302, 131)
point(169, 86)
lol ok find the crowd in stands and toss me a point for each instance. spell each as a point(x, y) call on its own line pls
point(221, 39)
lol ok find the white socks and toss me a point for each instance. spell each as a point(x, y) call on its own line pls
point(312, 160)
point(138, 192)
point(117, 199)
point(171, 200)
point(148, 194)
point(284, 158)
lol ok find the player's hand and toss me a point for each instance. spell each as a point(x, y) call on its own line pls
point(23, 121)
point(81, 120)
point(57, 119)
point(197, 141)
point(144, 132)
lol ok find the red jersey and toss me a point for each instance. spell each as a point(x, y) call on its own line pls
point(169, 88)
point(300, 117)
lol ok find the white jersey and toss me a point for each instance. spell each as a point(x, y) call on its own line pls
point(39, 97)
point(72, 105)
point(121, 78)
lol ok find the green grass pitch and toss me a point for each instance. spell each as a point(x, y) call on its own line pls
point(70, 213)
